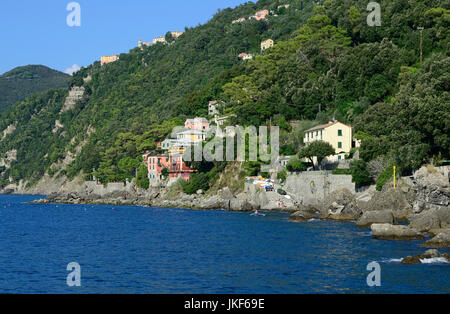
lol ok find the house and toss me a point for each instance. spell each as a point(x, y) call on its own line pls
point(261, 15)
point(193, 136)
point(267, 44)
point(242, 19)
point(286, 6)
point(141, 44)
point(160, 39)
point(176, 34)
point(338, 134)
point(198, 124)
point(109, 59)
point(176, 168)
point(213, 107)
point(245, 56)
point(155, 166)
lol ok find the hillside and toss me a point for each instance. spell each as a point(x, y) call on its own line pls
point(326, 63)
point(22, 82)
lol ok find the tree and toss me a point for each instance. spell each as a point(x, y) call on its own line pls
point(318, 149)
point(360, 174)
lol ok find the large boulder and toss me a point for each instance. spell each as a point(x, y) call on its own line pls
point(431, 219)
point(442, 240)
point(339, 205)
point(425, 220)
point(237, 204)
point(389, 199)
point(432, 189)
point(375, 216)
point(394, 232)
point(304, 214)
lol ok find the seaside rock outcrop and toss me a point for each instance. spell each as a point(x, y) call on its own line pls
point(431, 188)
point(375, 216)
point(425, 220)
point(394, 232)
point(339, 205)
point(441, 240)
point(419, 259)
point(306, 213)
point(396, 201)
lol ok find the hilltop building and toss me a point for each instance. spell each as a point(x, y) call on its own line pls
point(141, 44)
point(266, 44)
point(198, 124)
point(338, 134)
point(246, 56)
point(260, 15)
point(108, 59)
point(176, 34)
point(160, 39)
point(242, 19)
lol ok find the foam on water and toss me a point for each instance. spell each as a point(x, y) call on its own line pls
point(434, 260)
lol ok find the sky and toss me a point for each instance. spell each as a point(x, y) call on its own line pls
point(37, 31)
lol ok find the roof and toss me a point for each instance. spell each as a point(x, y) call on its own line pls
point(192, 132)
point(324, 126)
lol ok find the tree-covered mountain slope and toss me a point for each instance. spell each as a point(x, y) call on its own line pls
point(326, 63)
point(22, 82)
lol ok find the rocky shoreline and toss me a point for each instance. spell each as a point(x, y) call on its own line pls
point(419, 207)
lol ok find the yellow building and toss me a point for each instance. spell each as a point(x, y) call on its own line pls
point(338, 134)
point(109, 59)
point(267, 44)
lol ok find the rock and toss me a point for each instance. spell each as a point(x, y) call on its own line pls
point(417, 259)
point(431, 253)
point(225, 193)
point(432, 189)
point(410, 260)
point(388, 199)
point(200, 192)
point(424, 221)
point(236, 204)
point(375, 216)
point(305, 214)
point(394, 232)
point(439, 241)
point(339, 205)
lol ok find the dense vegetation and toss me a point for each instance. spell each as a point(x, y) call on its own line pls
point(22, 82)
point(327, 63)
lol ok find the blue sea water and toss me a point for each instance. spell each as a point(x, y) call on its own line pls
point(129, 249)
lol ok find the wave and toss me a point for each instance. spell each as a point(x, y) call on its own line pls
point(434, 260)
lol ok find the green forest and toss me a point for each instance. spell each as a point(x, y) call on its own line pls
point(18, 84)
point(327, 63)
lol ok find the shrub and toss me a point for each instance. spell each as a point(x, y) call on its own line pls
point(282, 175)
point(360, 174)
point(384, 177)
point(296, 165)
point(199, 181)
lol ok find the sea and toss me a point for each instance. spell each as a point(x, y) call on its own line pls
point(145, 250)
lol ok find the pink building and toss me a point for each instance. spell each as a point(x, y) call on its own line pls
point(175, 165)
point(261, 15)
point(197, 124)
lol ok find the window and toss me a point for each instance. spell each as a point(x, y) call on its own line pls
point(339, 132)
point(339, 157)
point(339, 144)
